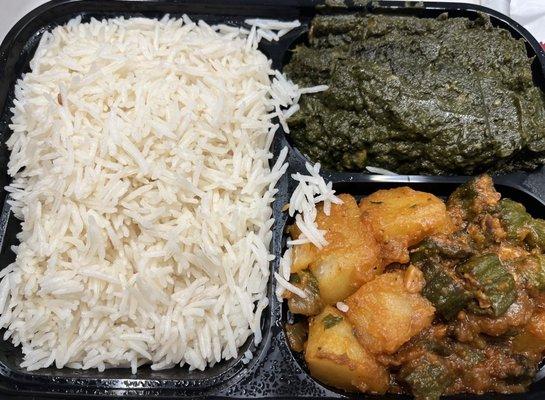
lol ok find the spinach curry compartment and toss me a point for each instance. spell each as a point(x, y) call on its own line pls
point(417, 96)
point(417, 295)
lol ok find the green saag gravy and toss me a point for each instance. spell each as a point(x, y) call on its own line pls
point(417, 95)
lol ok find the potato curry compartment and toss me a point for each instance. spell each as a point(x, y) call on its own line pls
point(437, 297)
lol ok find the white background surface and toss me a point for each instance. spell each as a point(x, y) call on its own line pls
point(12, 11)
point(528, 12)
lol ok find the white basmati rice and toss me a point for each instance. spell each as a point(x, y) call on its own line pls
point(342, 307)
point(311, 190)
point(248, 356)
point(379, 171)
point(272, 29)
point(140, 164)
point(314, 89)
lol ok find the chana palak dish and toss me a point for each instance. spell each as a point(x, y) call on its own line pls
point(417, 295)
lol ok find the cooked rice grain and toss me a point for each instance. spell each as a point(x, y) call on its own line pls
point(311, 190)
point(140, 164)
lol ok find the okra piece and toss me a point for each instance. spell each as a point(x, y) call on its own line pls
point(428, 377)
point(520, 226)
point(536, 236)
point(515, 219)
point(297, 335)
point(532, 271)
point(470, 355)
point(444, 290)
point(310, 305)
point(474, 197)
point(492, 285)
point(435, 249)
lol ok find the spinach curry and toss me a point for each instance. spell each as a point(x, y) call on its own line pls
point(417, 95)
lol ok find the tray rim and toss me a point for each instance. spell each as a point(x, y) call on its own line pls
point(6, 47)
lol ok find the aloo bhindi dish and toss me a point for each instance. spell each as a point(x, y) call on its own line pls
point(417, 96)
point(414, 294)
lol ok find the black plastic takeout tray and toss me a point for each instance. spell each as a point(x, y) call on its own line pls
point(275, 371)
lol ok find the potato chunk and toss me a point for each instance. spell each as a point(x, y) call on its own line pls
point(303, 256)
point(351, 257)
point(532, 338)
point(402, 217)
point(536, 326)
point(386, 312)
point(335, 357)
